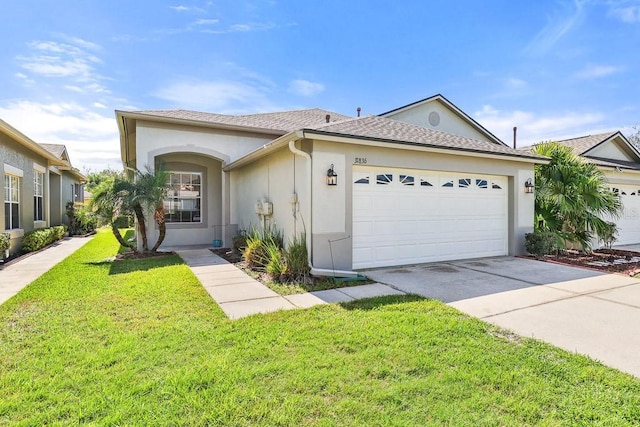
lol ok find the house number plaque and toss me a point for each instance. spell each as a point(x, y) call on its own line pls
point(360, 161)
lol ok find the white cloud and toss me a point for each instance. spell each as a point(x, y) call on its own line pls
point(557, 27)
point(596, 71)
point(99, 105)
point(91, 138)
point(305, 88)
point(515, 83)
point(533, 127)
point(628, 14)
point(221, 96)
point(206, 22)
point(51, 59)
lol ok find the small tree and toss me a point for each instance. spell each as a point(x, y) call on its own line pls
point(109, 204)
point(150, 191)
point(572, 197)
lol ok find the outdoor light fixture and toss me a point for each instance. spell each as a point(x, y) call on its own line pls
point(332, 176)
point(528, 186)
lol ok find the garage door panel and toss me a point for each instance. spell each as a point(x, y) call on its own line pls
point(396, 224)
point(629, 222)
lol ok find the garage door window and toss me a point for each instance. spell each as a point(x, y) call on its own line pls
point(406, 179)
point(384, 179)
point(425, 183)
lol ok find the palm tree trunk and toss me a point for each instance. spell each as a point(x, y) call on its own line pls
point(162, 227)
point(120, 239)
point(142, 225)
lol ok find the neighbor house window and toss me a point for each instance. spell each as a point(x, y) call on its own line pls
point(11, 202)
point(38, 196)
point(183, 199)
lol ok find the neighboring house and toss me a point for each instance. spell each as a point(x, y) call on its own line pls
point(619, 160)
point(420, 183)
point(38, 182)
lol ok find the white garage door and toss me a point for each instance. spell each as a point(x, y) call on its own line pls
point(414, 216)
point(629, 221)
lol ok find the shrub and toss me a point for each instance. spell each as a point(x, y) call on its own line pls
point(541, 243)
point(123, 221)
point(297, 260)
point(275, 266)
point(38, 239)
point(81, 219)
point(239, 242)
point(256, 254)
point(5, 241)
point(609, 235)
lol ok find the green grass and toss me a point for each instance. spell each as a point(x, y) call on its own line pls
point(141, 343)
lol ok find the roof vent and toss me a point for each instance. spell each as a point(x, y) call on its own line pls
point(434, 118)
point(358, 111)
point(327, 117)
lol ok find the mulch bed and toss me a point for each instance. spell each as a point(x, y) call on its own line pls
point(614, 260)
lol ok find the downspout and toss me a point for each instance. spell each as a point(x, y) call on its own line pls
point(316, 271)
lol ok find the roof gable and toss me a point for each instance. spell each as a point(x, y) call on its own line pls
point(438, 113)
point(607, 146)
point(58, 150)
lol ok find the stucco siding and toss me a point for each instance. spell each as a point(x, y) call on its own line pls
point(275, 179)
point(333, 249)
point(211, 225)
point(17, 158)
point(157, 138)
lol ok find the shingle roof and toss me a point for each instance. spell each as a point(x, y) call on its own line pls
point(389, 130)
point(55, 149)
point(283, 121)
point(583, 144)
point(613, 163)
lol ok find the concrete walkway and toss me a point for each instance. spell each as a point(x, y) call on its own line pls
point(240, 295)
point(16, 276)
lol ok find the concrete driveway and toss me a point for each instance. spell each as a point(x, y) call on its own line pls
point(579, 310)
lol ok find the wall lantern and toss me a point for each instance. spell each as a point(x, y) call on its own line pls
point(528, 186)
point(332, 176)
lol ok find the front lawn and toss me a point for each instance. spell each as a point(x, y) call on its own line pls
point(139, 342)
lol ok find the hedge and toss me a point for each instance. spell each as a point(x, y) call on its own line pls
point(5, 241)
point(38, 239)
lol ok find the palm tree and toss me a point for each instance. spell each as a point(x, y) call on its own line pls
point(109, 203)
point(572, 197)
point(151, 189)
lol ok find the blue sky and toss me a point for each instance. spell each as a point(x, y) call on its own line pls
point(555, 69)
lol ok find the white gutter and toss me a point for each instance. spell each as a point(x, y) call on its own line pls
point(315, 271)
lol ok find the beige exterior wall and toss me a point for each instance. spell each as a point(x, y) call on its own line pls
point(185, 148)
point(521, 205)
point(277, 176)
point(158, 138)
point(450, 122)
point(280, 179)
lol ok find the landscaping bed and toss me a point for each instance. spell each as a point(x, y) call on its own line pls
point(311, 284)
point(605, 260)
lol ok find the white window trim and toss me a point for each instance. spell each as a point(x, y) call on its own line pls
point(39, 168)
point(181, 223)
point(12, 170)
point(20, 230)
